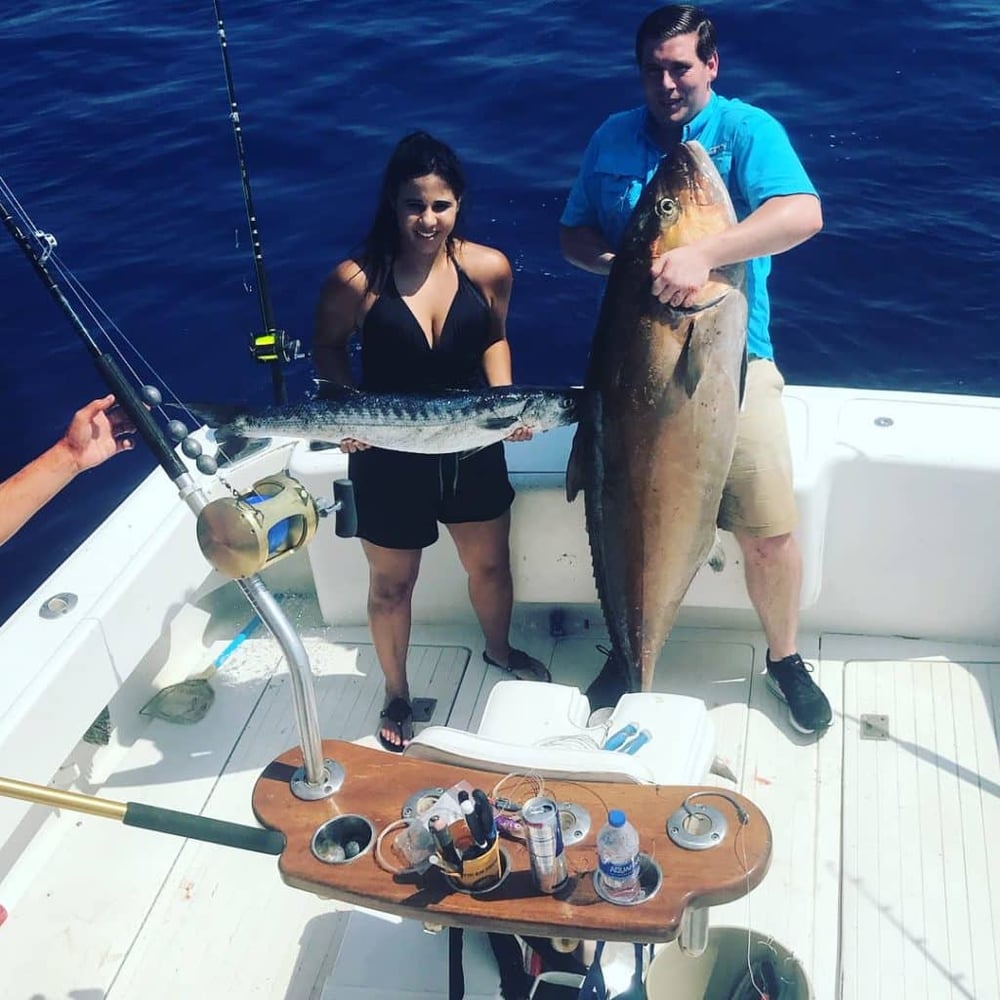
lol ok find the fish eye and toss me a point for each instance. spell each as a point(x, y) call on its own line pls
point(666, 207)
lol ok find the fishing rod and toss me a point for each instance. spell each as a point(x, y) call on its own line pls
point(146, 817)
point(273, 345)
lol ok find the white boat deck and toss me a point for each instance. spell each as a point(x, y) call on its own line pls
point(883, 882)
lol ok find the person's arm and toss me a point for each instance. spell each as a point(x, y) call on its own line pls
point(95, 434)
point(490, 271)
point(777, 225)
point(337, 313)
point(585, 247)
point(784, 211)
point(493, 275)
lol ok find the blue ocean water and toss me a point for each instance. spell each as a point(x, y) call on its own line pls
point(115, 136)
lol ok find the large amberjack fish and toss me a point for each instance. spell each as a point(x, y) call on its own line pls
point(429, 423)
point(658, 428)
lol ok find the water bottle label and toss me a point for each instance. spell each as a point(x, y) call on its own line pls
point(620, 870)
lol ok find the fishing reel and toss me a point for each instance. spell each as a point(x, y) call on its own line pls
point(275, 345)
point(244, 534)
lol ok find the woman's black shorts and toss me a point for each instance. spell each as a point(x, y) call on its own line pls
point(401, 497)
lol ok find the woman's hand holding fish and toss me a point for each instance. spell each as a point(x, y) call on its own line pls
point(521, 434)
point(679, 274)
point(352, 444)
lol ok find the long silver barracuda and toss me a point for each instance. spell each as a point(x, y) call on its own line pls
point(657, 433)
point(429, 423)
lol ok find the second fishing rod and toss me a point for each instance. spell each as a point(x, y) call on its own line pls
point(271, 346)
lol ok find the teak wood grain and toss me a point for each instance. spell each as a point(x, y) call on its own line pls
point(378, 784)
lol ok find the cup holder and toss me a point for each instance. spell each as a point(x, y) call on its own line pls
point(485, 890)
point(650, 880)
point(344, 839)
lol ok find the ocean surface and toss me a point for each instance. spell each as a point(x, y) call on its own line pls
point(115, 136)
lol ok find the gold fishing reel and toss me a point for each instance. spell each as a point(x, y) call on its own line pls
point(242, 535)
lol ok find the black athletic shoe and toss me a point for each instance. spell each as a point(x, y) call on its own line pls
point(808, 708)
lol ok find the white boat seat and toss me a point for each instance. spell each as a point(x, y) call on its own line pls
point(543, 729)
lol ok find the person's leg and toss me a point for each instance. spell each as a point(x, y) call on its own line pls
point(773, 570)
point(392, 576)
point(476, 510)
point(758, 506)
point(483, 551)
point(395, 494)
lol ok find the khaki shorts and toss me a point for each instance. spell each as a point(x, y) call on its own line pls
point(758, 499)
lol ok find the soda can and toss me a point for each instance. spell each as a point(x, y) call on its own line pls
point(543, 835)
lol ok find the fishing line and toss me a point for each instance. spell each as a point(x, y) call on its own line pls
point(740, 842)
point(570, 741)
point(126, 395)
point(85, 301)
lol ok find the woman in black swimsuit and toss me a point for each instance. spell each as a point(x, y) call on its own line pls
point(431, 311)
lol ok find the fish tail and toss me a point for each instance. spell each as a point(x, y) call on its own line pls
point(609, 685)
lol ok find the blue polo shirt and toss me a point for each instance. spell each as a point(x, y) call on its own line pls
point(748, 146)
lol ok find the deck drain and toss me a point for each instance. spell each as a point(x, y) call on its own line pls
point(874, 727)
point(58, 605)
point(423, 709)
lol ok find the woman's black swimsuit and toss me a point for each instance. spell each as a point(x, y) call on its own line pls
point(401, 496)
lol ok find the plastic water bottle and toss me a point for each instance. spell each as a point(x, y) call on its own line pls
point(618, 858)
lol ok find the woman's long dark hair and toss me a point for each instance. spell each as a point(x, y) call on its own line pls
point(416, 155)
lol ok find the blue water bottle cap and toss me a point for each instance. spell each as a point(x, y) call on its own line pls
point(616, 817)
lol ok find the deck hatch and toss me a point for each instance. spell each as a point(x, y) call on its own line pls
point(921, 876)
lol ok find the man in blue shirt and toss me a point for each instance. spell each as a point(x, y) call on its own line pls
point(777, 208)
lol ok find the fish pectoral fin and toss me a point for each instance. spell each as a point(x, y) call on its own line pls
point(691, 363)
point(500, 423)
point(722, 768)
point(743, 378)
point(574, 467)
point(717, 557)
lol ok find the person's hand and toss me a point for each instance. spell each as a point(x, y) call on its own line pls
point(521, 434)
point(97, 432)
point(678, 276)
point(352, 444)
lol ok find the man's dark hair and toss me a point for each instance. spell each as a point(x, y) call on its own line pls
point(677, 19)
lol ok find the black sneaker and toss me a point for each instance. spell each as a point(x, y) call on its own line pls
point(808, 708)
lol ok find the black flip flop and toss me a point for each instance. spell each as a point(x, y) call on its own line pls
point(520, 661)
point(400, 714)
